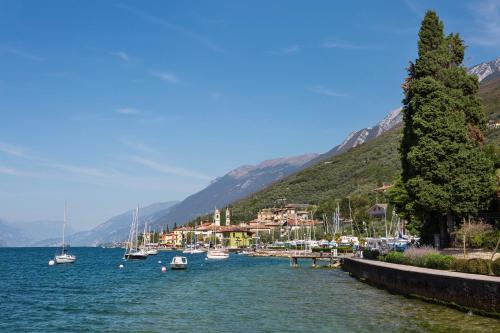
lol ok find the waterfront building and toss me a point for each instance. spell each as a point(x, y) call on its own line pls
point(181, 235)
point(235, 236)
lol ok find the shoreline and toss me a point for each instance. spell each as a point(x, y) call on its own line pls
point(477, 293)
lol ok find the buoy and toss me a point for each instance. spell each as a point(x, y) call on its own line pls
point(159, 261)
point(51, 262)
point(164, 269)
point(121, 266)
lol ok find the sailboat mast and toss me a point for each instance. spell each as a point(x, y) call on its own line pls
point(64, 227)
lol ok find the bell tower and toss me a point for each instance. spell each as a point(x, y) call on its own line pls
point(217, 217)
point(228, 217)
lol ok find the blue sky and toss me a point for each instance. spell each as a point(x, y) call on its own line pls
point(108, 104)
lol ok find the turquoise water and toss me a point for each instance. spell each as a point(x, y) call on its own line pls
point(241, 294)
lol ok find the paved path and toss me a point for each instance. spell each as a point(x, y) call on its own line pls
point(430, 271)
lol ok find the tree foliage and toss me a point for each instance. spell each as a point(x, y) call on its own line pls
point(445, 170)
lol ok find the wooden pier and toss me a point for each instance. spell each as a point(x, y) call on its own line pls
point(333, 259)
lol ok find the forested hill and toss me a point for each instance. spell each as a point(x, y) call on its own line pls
point(355, 172)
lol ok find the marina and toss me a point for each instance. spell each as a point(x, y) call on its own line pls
point(96, 295)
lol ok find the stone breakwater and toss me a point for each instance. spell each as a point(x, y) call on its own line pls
point(478, 293)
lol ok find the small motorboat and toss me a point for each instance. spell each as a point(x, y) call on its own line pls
point(217, 254)
point(178, 262)
point(193, 251)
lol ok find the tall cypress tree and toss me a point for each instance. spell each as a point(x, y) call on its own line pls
point(445, 172)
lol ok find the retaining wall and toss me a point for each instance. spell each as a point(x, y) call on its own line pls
point(471, 291)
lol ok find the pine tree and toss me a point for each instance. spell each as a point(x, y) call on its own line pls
point(445, 172)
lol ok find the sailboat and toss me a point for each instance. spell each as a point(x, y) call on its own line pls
point(216, 253)
point(150, 250)
point(132, 250)
point(194, 247)
point(64, 257)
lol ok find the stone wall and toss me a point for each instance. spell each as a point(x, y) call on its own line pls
point(465, 290)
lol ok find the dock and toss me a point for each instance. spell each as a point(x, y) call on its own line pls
point(333, 259)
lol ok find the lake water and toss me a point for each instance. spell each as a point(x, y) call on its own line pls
point(241, 294)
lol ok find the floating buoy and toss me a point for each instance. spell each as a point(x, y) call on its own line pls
point(164, 269)
point(159, 261)
point(121, 266)
point(51, 262)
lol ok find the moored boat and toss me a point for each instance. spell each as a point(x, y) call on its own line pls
point(178, 262)
point(65, 257)
point(217, 254)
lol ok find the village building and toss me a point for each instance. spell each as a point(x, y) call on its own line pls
point(378, 211)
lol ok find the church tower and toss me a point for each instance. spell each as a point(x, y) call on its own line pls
point(228, 217)
point(217, 217)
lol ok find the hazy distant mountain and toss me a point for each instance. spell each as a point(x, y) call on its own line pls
point(113, 230)
point(486, 70)
point(233, 186)
point(29, 233)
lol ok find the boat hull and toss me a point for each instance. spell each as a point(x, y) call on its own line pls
point(178, 266)
point(217, 255)
point(64, 259)
point(135, 256)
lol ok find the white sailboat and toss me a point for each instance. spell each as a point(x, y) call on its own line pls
point(132, 250)
point(65, 257)
point(217, 253)
point(194, 246)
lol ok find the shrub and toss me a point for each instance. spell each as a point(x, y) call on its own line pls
point(438, 261)
point(371, 254)
point(495, 266)
point(460, 265)
point(474, 266)
point(381, 258)
point(414, 253)
point(397, 258)
point(321, 249)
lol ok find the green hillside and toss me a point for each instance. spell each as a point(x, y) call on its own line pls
point(355, 173)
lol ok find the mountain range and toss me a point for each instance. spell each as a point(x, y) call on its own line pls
point(246, 180)
point(29, 233)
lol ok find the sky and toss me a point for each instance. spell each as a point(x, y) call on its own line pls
point(110, 104)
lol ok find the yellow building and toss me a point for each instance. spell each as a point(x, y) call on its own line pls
point(236, 236)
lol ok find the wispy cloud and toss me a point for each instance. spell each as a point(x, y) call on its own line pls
point(121, 55)
point(322, 90)
point(291, 49)
point(11, 149)
point(174, 27)
point(169, 169)
point(167, 77)
point(128, 110)
point(414, 8)
point(486, 16)
point(19, 53)
point(139, 146)
point(329, 44)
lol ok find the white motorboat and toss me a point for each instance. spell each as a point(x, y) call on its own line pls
point(217, 254)
point(65, 257)
point(178, 262)
point(152, 252)
point(193, 251)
